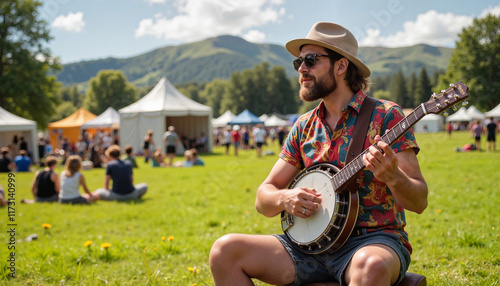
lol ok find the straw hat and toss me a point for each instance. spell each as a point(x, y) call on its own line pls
point(334, 37)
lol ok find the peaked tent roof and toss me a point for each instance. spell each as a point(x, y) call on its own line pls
point(76, 119)
point(274, 121)
point(12, 122)
point(495, 112)
point(474, 113)
point(460, 115)
point(110, 118)
point(165, 97)
point(222, 120)
point(245, 117)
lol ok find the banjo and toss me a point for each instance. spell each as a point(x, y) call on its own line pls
point(332, 223)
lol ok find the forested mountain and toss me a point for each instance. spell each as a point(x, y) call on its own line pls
point(218, 57)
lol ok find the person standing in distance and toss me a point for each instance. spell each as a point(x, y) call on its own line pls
point(171, 140)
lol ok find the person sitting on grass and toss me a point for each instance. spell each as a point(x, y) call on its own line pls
point(120, 172)
point(5, 163)
point(158, 159)
point(46, 186)
point(23, 162)
point(71, 180)
point(129, 157)
point(188, 160)
point(196, 160)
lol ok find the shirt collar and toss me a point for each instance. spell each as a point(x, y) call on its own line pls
point(355, 103)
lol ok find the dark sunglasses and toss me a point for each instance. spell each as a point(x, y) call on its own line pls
point(309, 60)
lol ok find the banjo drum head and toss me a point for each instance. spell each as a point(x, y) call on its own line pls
point(306, 231)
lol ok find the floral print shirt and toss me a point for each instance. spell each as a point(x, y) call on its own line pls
point(311, 141)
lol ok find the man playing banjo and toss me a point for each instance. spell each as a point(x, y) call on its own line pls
point(377, 252)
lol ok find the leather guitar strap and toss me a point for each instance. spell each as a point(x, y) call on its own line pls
point(359, 135)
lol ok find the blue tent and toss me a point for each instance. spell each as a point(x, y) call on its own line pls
point(245, 117)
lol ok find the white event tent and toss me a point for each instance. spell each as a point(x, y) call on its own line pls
point(275, 121)
point(495, 112)
point(474, 113)
point(11, 125)
point(164, 106)
point(459, 116)
point(430, 123)
point(110, 118)
point(222, 120)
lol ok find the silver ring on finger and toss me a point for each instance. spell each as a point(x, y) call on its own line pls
point(303, 210)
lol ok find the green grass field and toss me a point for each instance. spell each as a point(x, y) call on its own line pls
point(455, 241)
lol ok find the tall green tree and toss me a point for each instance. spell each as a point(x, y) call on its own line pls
point(234, 98)
point(109, 88)
point(423, 89)
point(71, 94)
point(412, 87)
point(282, 97)
point(212, 95)
point(192, 90)
point(26, 87)
point(260, 90)
point(476, 62)
point(398, 90)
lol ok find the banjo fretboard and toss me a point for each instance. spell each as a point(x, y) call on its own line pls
point(457, 92)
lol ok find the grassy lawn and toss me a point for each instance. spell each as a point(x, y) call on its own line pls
point(165, 238)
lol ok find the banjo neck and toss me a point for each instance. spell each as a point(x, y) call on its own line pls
point(437, 103)
point(351, 170)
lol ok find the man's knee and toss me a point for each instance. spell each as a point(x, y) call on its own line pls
point(226, 250)
point(366, 264)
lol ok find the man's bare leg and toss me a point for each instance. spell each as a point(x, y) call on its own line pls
point(236, 258)
point(375, 264)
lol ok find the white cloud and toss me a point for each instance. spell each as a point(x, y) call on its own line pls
point(73, 22)
point(254, 36)
point(491, 10)
point(439, 29)
point(198, 20)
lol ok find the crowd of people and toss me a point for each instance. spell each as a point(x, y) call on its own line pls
point(49, 186)
point(246, 138)
point(478, 129)
point(92, 151)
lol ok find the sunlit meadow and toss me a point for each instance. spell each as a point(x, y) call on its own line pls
point(165, 238)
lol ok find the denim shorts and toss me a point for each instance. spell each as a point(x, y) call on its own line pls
point(325, 266)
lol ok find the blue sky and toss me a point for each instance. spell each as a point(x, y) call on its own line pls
point(96, 29)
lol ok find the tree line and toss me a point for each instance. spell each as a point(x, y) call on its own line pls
point(29, 88)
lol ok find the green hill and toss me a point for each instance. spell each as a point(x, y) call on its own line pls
point(220, 56)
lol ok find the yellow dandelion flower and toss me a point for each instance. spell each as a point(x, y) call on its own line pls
point(145, 248)
point(190, 269)
point(155, 248)
point(438, 211)
point(46, 225)
point(194, 284)
point(170, 238)
point(162, 238)
point(88, 243)
point(105, 245)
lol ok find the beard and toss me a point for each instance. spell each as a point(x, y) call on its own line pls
point(322, 86)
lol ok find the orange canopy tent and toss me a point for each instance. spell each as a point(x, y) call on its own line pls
point(69, 127)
